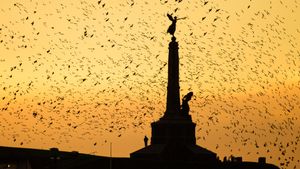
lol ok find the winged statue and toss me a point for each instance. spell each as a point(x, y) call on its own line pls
point(172, 27)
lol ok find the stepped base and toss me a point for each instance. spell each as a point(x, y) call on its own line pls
point(175, 152)
point(177, 129)
point(173, 139)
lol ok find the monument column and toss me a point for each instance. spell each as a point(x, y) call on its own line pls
point(173, 136)
point(173, 98)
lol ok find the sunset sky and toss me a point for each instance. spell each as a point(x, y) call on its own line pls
point(79, 75)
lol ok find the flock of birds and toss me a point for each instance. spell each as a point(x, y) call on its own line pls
point(89, 71)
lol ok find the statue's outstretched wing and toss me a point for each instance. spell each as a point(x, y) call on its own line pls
point(170, 17)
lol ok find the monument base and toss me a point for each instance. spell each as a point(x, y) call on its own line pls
point(173, 129)
point(173, 139)
point(175, 152)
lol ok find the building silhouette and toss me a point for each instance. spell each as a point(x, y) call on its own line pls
point(173, 143)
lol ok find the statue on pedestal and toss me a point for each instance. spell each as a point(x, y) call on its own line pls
point(185, 108)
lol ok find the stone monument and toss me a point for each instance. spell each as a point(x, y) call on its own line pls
point(173, 135)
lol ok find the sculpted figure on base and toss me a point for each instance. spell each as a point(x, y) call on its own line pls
point(172, 27)
point(185, 106)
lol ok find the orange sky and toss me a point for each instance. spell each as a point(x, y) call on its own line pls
point(76, 73)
